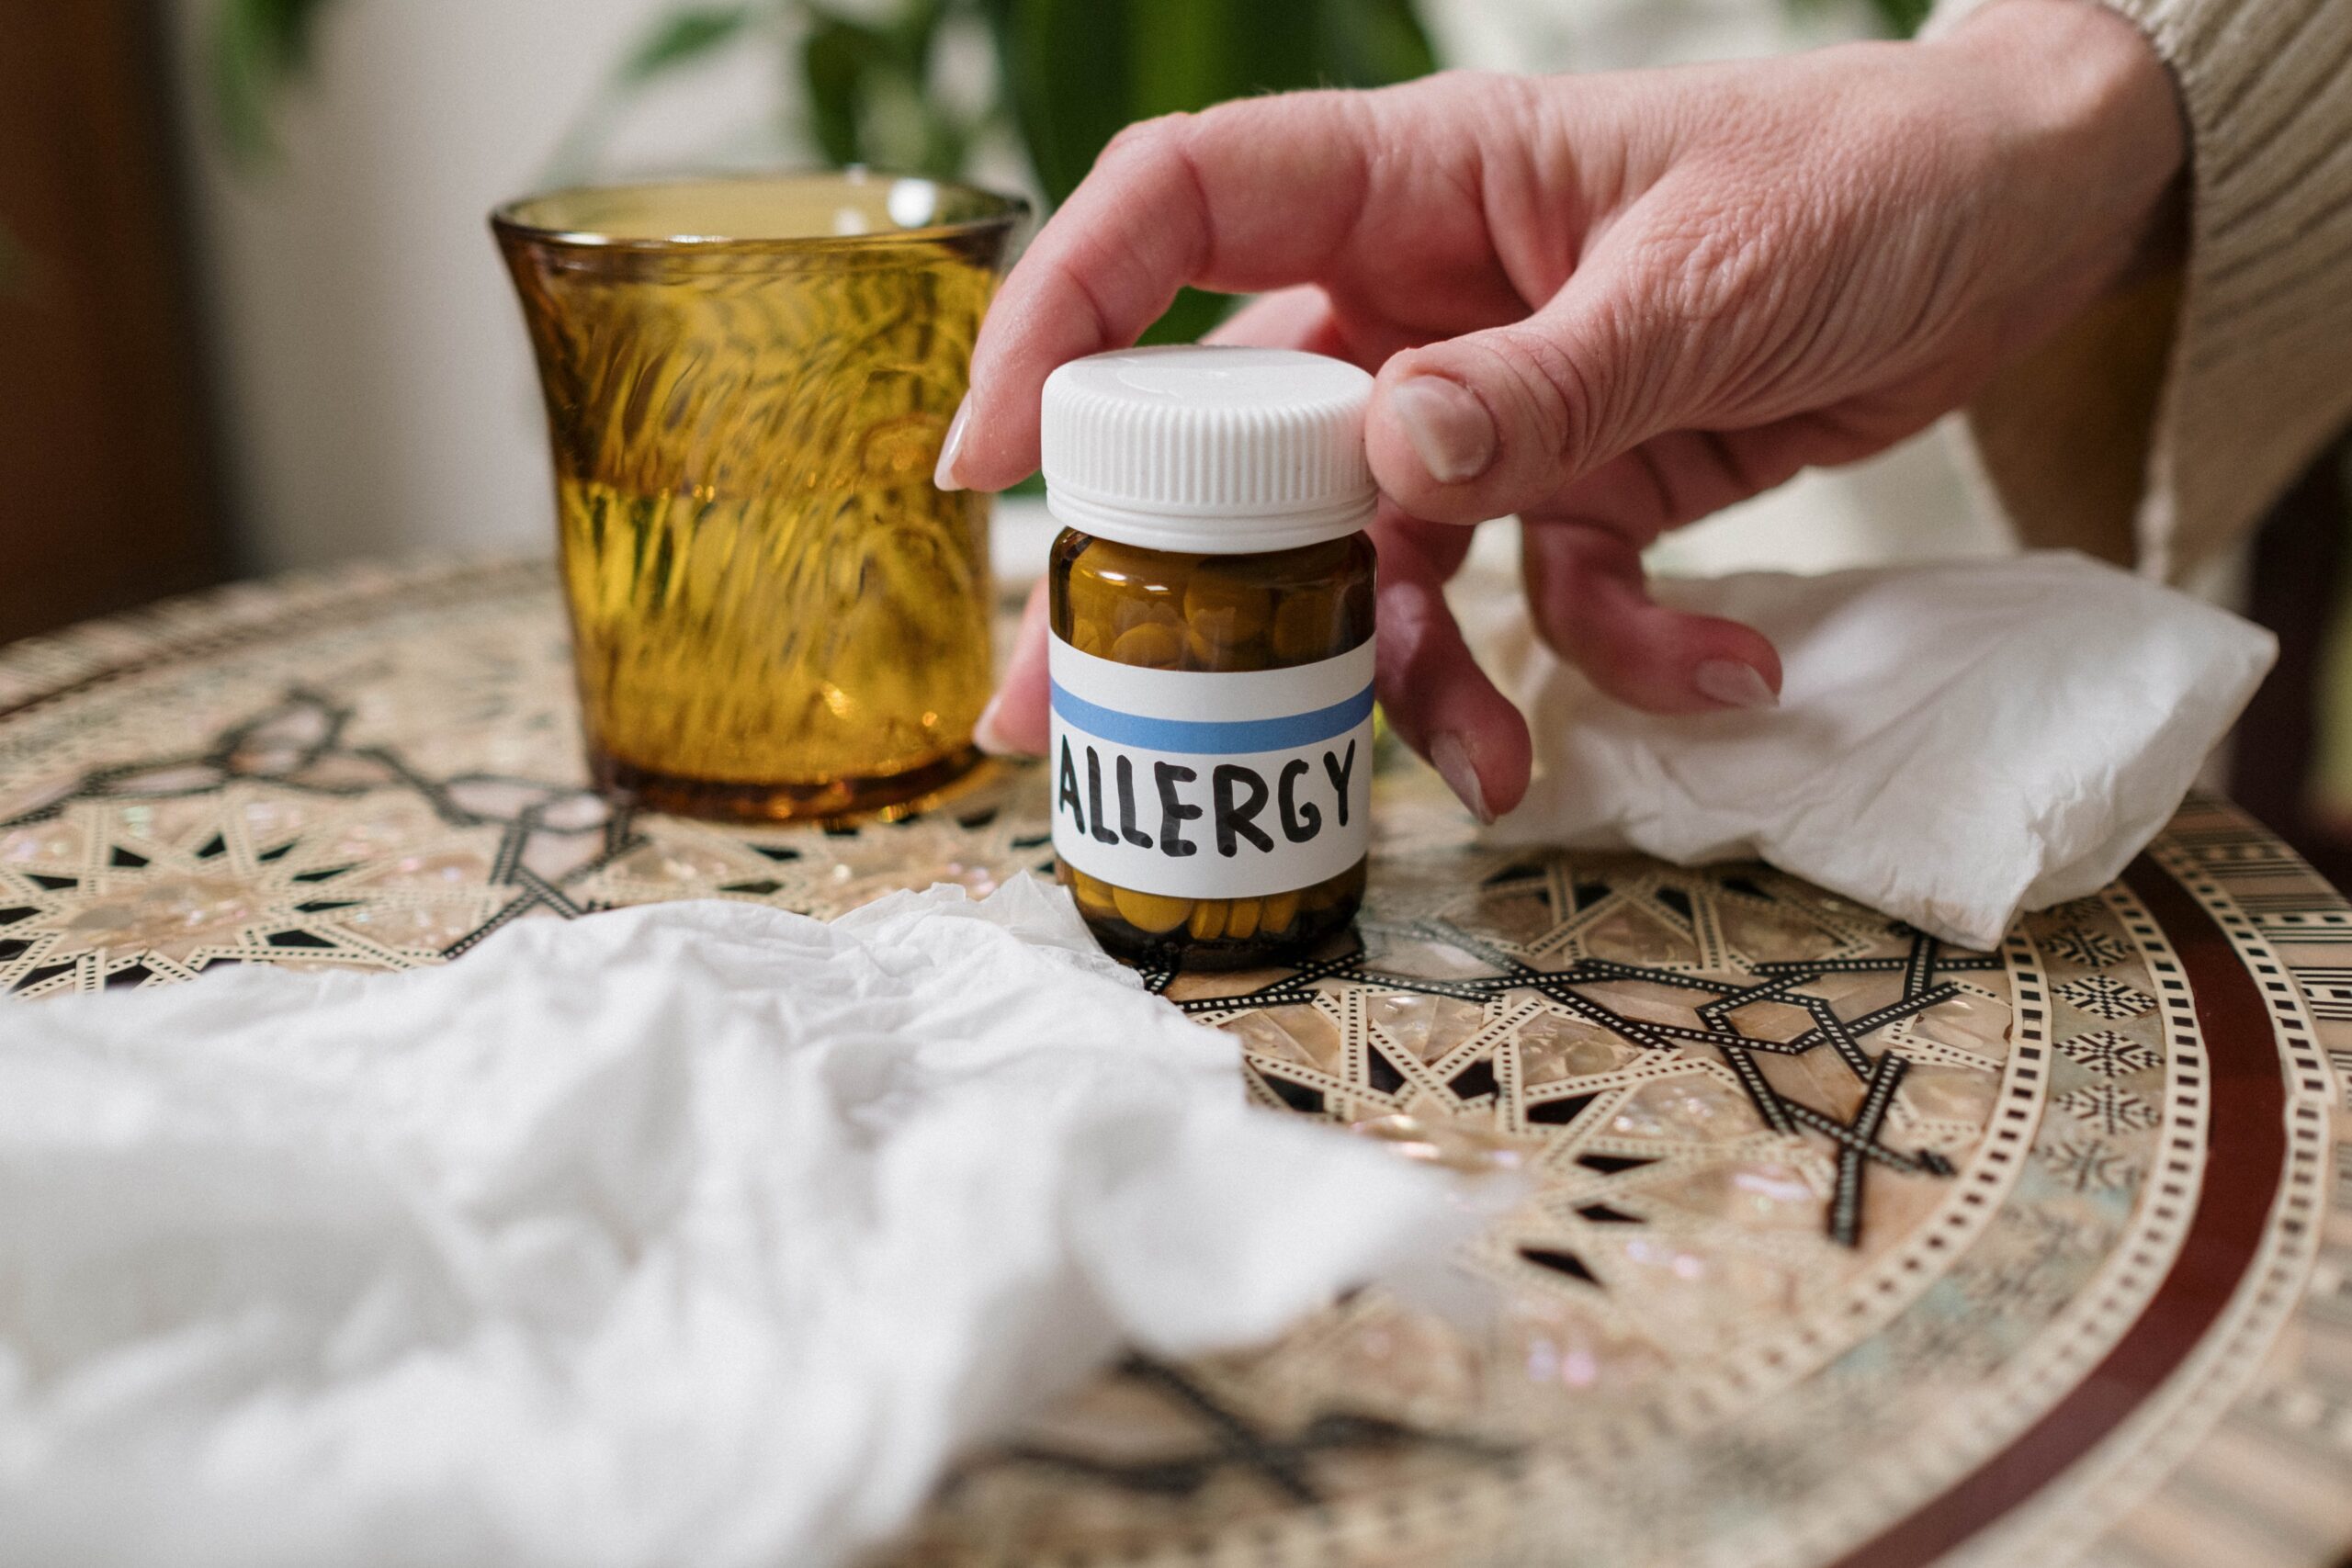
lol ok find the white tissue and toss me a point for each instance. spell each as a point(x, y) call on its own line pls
point(696, 1233)
point(1954, 742)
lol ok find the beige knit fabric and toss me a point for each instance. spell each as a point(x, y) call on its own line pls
point(2165, 422)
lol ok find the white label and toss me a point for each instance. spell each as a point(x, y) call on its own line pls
point(1198, 785)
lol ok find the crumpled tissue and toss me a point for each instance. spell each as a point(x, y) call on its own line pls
point(695, 1233)
point(1955, 742)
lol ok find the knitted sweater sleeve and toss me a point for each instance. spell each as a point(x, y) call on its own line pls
point(2164, 423)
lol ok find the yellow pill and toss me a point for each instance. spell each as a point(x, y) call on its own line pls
point(1091, 893)
point(1241, 919)
point(1222, 657)
point(1279, 912)
point(1154, 645)
point(1150, 912)
point(1208, 919)
point(1087, 638)
point(1225, 613)
point(1307, 625)
point(1123, 564)
point(1093, 604)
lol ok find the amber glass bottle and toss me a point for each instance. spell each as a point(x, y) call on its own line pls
point(1212, 618)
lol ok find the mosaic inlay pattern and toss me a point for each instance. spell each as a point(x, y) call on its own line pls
point(1829, 1232)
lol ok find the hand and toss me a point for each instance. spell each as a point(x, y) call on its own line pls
point(1608, 304)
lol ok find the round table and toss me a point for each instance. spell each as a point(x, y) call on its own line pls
point(1843, 1246)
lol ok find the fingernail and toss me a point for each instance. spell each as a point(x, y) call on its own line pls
point(1733, 684)
point(1452, 763)
point(1449, 427)
point(944, 476)
point(988, 737)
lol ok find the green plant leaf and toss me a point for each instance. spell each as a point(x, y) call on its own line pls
point(1888, 18)
point(867, 87)
point(1902, 18)
point(1370, 43)
point(917, 29)
point(1188, 54)
point(1065, 65)
point(1189, 318)
point(1077, 72)
point(834, 58)
point(682, 38)
point(257, 48)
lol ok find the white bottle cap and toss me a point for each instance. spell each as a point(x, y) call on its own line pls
point(1208, 450)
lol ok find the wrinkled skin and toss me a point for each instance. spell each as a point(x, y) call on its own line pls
point(1607, 304)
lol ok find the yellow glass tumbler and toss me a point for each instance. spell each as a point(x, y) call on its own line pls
point(774, 614)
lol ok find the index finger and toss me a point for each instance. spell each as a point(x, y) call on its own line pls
point(1248, 196)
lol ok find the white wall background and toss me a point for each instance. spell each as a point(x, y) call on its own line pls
point(379, 397)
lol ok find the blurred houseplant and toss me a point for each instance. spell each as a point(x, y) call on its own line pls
point(1066, 74)
point(1070, 72)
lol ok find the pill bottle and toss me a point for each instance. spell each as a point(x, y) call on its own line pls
point(1210, 649)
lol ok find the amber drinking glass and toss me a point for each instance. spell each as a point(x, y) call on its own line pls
point(774, 613)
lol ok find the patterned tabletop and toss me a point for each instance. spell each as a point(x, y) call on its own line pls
point(1843, 1246)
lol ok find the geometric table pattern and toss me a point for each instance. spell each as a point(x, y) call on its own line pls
point(1831, 1244)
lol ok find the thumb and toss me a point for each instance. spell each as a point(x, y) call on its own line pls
point(1502, 421)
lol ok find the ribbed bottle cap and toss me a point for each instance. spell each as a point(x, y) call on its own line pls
point(1208, 450)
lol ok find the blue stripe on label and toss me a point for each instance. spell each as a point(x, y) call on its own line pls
point(1194, 735)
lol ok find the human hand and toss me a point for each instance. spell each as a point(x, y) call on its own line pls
point(1608, 304)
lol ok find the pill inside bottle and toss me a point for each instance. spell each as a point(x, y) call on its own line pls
point(1211, 650)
